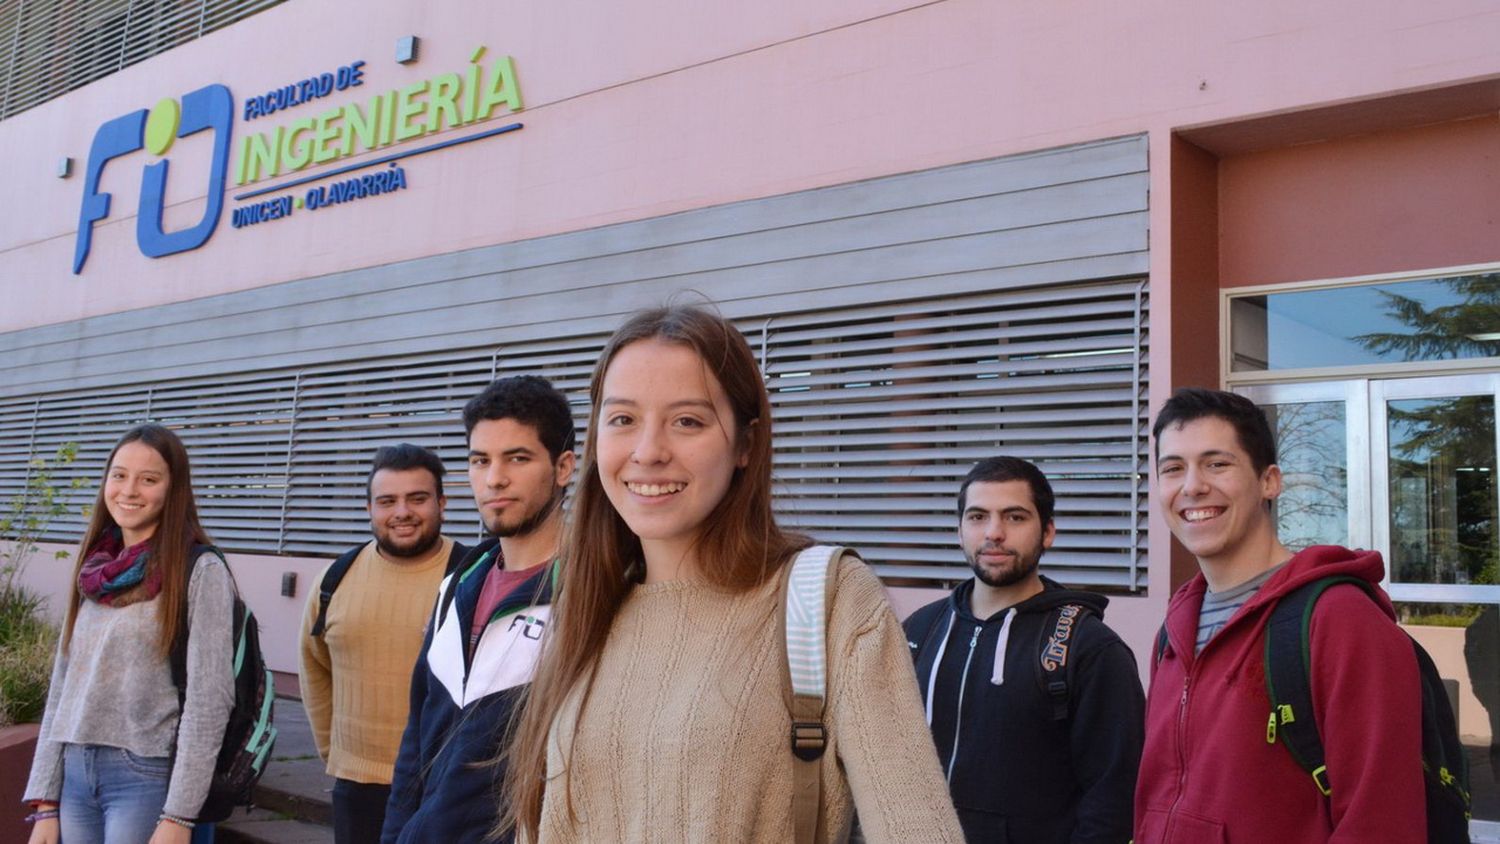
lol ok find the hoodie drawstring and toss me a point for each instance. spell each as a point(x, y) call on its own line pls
point(997, 676)
point(937, 661)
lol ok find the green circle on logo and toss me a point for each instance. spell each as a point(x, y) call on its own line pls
point(161, 126)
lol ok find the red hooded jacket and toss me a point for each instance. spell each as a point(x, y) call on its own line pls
point(1208, 776)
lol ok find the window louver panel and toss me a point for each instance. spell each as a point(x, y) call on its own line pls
point(50, 47)
point(237, 435)
point(878, 412)
point(17, 420)
point(345, 413)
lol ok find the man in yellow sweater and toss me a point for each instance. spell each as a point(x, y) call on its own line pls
point(362, 631)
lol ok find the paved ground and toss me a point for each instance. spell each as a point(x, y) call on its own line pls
point(293, 797)
point(292, 800)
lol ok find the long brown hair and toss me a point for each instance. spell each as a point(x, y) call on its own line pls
point(740, 545)
point(175, 534)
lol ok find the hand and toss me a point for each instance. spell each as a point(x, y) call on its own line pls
point(45, 832)
point(171, 833)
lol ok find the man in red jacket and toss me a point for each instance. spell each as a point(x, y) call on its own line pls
point(1208, 773)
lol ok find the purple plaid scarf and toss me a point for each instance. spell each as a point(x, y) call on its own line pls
point(118, 576)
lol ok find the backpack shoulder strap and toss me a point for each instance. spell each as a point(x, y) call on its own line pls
point(456, 574)
point(1288, 660)
point(1056, 648)
point(922, 625)
point(1161, 646)
point(331, 579)
point(807, 598)
point(178, 658)
point(456, 556)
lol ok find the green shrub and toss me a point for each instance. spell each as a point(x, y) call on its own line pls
point(27, 646)
point(19, 611)
point(1439, 620)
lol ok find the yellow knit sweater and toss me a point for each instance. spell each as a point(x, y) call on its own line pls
point(356, 679)
point(684, 736)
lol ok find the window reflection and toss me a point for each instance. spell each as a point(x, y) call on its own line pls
point(1464, 641)
point(1428, 319)
point(1313, 455)
point(1442, 478)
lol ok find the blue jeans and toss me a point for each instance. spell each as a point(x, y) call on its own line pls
point(113, 796)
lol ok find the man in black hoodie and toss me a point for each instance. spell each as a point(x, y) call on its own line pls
point(1035, 705)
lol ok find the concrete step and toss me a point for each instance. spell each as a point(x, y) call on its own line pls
point(290, 803)
point(295, 782)
point(263, 826)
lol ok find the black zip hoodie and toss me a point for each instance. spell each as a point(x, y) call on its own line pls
point(1018, 772)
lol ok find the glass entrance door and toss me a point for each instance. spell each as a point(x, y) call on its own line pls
point(1434, 473)
point(1408, 467)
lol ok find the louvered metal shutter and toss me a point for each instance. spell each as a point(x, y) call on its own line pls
point(236, 431)
point(50, 47)
point(879, 412)
point(345, 413)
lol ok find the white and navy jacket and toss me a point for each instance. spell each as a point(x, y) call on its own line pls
point(461, 706)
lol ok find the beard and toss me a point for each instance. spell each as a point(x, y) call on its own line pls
point(529, 523)
point(419, 546)
point(1025, 565)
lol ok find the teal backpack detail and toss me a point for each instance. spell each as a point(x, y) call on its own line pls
point(250, 734)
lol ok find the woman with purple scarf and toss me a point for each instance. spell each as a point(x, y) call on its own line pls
point(119, 760)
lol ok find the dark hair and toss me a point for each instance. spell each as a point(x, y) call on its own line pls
point(175, 535)
point(530, 400)
point(740, 542)
point(994, 470)
point(1190, 404)
point(402, 456)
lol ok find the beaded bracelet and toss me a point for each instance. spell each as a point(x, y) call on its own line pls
point(41, 815)
point(182, 822)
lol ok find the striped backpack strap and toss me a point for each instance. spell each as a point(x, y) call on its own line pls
point(806, 600)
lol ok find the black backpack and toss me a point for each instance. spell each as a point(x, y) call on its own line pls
point(340, 567)
point(1291, 720)
point(249, 735)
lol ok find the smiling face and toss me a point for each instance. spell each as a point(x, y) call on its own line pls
point(1001, 533)
point(516, 484)
point(1214, 500)
point(668, 447)
point(135, 490)
point(406, 512)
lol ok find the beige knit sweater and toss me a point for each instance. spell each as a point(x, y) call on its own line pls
point(684, 736)
point(356, 679)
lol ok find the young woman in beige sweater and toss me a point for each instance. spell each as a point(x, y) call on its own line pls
point(658, 713)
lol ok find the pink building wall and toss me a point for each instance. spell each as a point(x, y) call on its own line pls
point(258, 578)
point(634, 112)
point(1406, 199)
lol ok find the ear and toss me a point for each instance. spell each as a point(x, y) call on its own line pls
point(567, 462)
point(1271, 483)
point(744, 459)
point(442, 502)
point(1049, 534)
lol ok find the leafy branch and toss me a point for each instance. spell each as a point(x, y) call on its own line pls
point(29, 513)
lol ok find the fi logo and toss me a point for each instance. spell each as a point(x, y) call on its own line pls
point(210, 107)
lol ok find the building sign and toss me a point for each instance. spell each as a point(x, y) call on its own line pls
point(393, 119)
